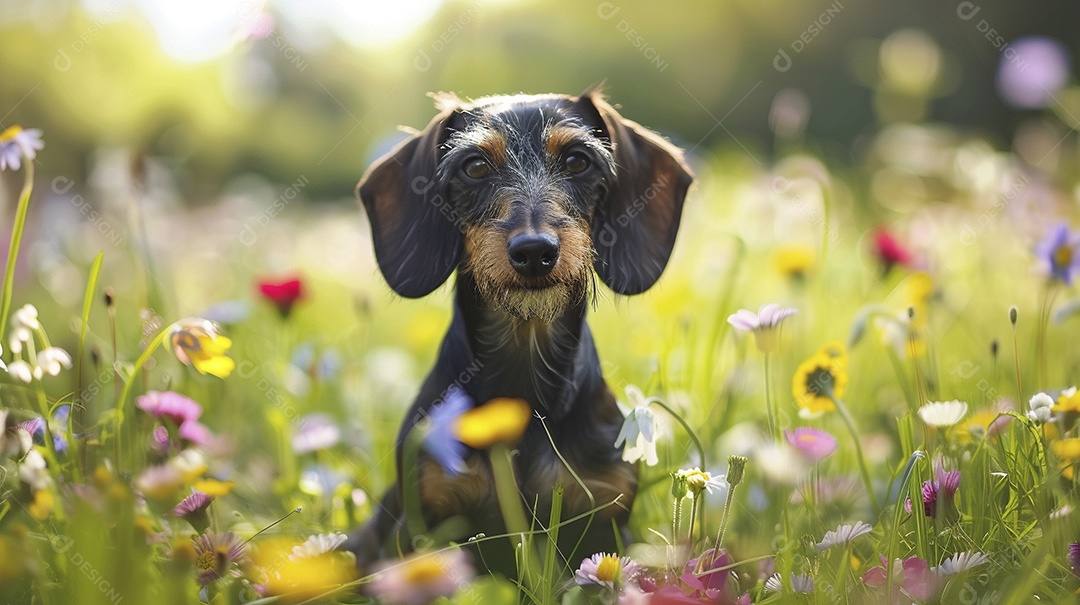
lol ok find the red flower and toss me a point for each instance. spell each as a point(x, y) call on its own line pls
point(890, 251)
point(283, 294)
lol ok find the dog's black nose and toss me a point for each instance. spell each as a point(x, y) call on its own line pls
point(533, 254)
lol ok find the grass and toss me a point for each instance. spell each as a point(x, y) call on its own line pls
point(94, 521)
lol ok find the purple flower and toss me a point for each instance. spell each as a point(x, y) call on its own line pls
point(193, 509)
point(814, 444)
point(215, 553)
point(168, 404)
point(159, 439)
point(315, 432)
point(57, 426)
point(1060, 251)
point(16, 143)
point(1074, 557)
point(1030, 77)
point(440, 441)
point(938, 495)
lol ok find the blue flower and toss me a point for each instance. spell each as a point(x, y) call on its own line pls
point(16, 143)
point(58, 427)
point(1061, 252)
point(441, 440)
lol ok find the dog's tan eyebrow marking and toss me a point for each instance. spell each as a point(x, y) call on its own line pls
point(558, 137)
point(489, 140)
point(493, 143)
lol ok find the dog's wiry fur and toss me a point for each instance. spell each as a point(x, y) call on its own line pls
point(525, 197)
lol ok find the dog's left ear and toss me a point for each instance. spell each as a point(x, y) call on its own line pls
point(635, 225)
point(417, 240)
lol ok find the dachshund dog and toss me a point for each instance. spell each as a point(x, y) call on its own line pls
point(525, 196)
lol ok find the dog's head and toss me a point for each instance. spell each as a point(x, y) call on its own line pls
point(527, 194)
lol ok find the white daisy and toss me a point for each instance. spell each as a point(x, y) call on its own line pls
point(316, 545)
point(961, 561)
point(943, 413)
point(800, 583)
point(844, 534)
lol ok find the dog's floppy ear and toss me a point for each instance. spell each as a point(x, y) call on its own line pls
point(417, 242)
point(635, 225)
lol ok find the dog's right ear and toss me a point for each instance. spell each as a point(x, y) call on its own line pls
point(417, 242)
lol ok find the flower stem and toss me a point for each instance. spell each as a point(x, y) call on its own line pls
point(1044, 320)
point(16, 240)
point(693, 515)
point(410, 488)
point(1016, 358)
point(506, 489)
point(43, 409)
point(723, 521)
point(689, 431)
point(676, 525)
point(863, 471)
point(130, 382)
point(770, 406)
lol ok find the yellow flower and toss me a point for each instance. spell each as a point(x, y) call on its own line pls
point(299, 579)
point(794, 261)
point(15, 558)
point(213, 487)
point(1067, 450)
point(43, 504)
point(976, 427)
point(821, 378)
point(500, 420)
point(197, 343)
point(1068, 454)
point(1068, 401)
point(918, 289)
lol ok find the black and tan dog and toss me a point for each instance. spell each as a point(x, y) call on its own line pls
point(525, 196)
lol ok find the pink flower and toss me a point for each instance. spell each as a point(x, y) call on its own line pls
point(168, 404)
point(283, 294)
point(890, 251)
point(421, 578)
point(195, 433)
point(815, 445)
point(912, 576)
point(710, 580)
point(763, 324)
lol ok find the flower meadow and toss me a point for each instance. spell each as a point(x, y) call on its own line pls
point(204, 411)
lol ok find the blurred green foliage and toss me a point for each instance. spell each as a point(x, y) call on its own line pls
point(303, 101)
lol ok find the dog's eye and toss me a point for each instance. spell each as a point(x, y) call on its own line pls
point(476, 167)
point(576, 163)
